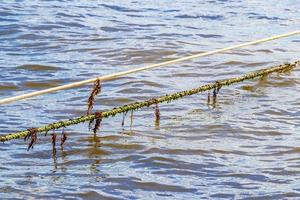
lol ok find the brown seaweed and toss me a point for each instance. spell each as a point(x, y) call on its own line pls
point(53, 139)
point(96, 90)
point(63, 137)
point(157, 113)
point(124, 116)
point(33, 135)
point(98, 117)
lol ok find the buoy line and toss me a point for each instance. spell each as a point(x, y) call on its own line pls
point(120, 74)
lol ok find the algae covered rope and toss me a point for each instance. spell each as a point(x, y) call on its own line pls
point(154, 101)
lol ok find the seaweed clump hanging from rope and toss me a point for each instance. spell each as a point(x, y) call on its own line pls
point(98, 118)
point(33, 135)
point(157, 113)
point(216, 92)
point(91, 100)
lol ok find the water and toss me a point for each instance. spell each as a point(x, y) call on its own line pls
point(248, 146)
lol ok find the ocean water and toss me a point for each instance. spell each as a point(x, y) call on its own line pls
point(245, 147)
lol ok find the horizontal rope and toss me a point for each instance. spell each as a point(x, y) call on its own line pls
point(120, 74)
point(166, 98)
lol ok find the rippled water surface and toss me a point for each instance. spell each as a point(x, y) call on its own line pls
point(245, 147)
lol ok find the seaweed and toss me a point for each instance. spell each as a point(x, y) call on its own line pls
point(53, 139)
point(208, 98)
point(91, 100)
point(98, 117)
point(217, 88)
point(33, 135)
point(124, 116)
point(63, 137)
point(157, 113)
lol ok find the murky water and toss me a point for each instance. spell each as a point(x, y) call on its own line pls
point(248, 146)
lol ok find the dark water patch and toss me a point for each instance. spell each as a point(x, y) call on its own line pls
point(274, 196)
point(36, 45)
point(119, 8)
point(99, 39)
point(280, 50)
point(112, 29)
point(72, 24)
point(31, 37)
point(264, 50)
point(223, 196)
point(247, 186)
point(81, 50)
point(9, 87)
point(252, 177)
point(171, 10)
point(206, 17)
point(134, 15)
point(68, 15)
point(133, 184)
point(257, 16)
point(7, 13)
point(38, 67)
point(210, 35)
point(7, 20)
point(124, 146)
point(93, 195)
point(233, 63)
point(9, 30)
point(256, 64)
point(176, 151)
point(282, 172)
point(47, 27)
point(42, 84)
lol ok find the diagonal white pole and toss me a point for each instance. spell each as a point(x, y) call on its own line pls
point(162, 64)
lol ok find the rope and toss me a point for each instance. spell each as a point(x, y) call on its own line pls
point(167, 98)
point(120, 74)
